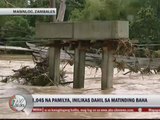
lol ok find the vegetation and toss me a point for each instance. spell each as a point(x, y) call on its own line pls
point(144, 17)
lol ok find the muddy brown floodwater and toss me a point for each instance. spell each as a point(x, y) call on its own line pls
point(131, 84)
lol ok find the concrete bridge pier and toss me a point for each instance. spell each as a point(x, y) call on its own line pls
point(79, 65)
point(54, 62)
point(80, 32)
point(107, 68)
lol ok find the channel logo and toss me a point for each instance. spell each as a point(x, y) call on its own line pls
point(17, 103)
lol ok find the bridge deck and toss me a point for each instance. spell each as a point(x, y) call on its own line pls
point(96, 30)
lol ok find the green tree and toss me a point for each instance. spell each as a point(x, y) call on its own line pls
point(155, 4)
point(37, 4)
point(146, 26)
point(15, 3)
point(74, 8)
point(107, 9)
point(17, 29)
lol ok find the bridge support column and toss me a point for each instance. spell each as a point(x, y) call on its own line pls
point(54, 62)
point(79, 66)
point(107, 68)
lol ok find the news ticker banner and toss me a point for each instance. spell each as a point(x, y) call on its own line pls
point(85, 103)
point(28, 11)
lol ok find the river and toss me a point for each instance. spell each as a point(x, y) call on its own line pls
point(130, 84)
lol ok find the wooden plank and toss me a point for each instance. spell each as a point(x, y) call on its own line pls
point(146, 45)
point(14, 48)
point(143, 62)
point(79, 67)
point(91, 58)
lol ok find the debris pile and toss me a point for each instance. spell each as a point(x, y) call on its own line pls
point(36, 76)
point(39, 75)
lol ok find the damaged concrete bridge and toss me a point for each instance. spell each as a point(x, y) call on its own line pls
point(81, 34)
